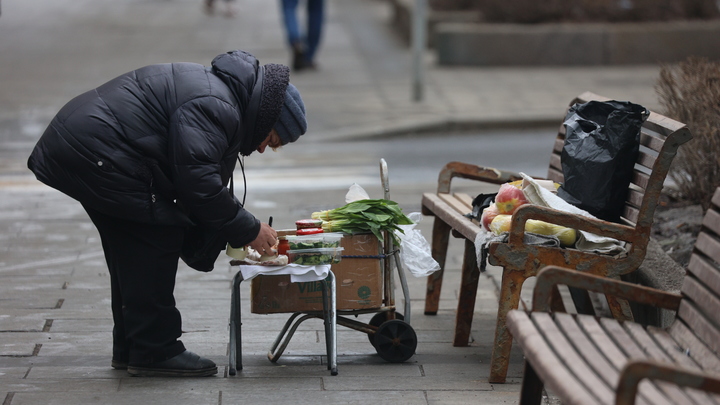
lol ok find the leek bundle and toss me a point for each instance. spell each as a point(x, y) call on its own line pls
point(365, 216)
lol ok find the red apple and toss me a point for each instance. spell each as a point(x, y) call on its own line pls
point(488, 215)
point(509, 198)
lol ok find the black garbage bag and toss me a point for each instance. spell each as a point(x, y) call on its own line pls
point(602, 142)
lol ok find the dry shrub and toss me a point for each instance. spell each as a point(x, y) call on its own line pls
point(690, 93)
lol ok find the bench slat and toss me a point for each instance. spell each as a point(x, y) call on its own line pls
point(450, 216)
point(587, 349)
point(555, 163)
point(689, 343)
point(555, 175)
point(634, 351)
point(555, 374)
point(465, 199)
point(654, 352)
point(672, 348)
point(649, 140)
point(676, 353)
point(708, 275)
point(661, 124)
point(708, 246)
point(703, 299)
point(705, 331)
point(635, 197)
point(711, 221)
point(614, 354)
point(455, 204)
point(572, 359)
point(646, 160)
point(631, 214)
point(641, 180)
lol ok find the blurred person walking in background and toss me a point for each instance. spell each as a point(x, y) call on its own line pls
point(149, 156)
point(304, 47)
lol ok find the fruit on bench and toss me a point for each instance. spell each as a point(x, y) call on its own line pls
point(508, 198)
point(566, 236)
point(488, 215)
point(500, 224)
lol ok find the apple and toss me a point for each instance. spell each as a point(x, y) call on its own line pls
point(508, 198)
point(488, 214)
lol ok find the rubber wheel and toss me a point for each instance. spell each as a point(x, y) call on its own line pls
point(395, 341)
point(378, 319)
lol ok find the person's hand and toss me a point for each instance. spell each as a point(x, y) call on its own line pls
point(266, 239)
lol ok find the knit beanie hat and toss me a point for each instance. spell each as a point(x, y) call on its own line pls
point(292, 122)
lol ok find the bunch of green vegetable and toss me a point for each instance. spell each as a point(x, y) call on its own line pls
point(365, 216)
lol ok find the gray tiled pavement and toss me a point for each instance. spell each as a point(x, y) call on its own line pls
point(54, 296)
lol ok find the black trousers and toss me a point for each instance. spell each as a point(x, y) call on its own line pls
point(143, 262)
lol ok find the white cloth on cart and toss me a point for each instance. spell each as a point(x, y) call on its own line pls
point(298, 273)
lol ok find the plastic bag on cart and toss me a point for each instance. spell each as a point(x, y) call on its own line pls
point(356, 193)
point(415, 249)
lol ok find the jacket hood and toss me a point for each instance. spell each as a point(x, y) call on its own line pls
point(261, 89)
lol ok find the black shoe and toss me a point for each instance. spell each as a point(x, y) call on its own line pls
point(119, 359)
point(185, 364)
point(299, 62)
point(119, 364)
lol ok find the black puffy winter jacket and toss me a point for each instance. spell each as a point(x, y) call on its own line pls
point(159, 144)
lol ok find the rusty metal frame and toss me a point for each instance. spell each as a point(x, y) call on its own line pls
point(472, 172)
point(551, 276)
point(634, 372)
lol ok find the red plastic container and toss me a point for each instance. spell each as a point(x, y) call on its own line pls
point(308, 223)
point(309, 231)
point(283, 245)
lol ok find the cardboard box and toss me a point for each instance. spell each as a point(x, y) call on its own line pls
point(358, 282)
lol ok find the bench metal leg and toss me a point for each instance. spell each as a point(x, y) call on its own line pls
point(512, 282)
point(532, 387)
point(468, 294)
point(440, 239)
point(235, 345)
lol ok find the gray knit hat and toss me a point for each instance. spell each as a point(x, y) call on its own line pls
point(291, 123)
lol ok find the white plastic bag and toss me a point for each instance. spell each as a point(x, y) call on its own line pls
point(415, 249)
point(356, 193)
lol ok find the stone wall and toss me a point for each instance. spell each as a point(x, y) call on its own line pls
point(460, 40)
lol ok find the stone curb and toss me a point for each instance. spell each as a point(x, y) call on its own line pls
point(429, 127)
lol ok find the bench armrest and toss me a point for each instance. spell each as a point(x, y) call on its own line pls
point(472, 172)
point(549, 277)
point(636, 371)
point(568, 220)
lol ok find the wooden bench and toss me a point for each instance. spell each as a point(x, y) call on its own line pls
point(660, 139)
point(588, 360)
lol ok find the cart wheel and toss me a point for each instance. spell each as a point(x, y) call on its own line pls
point(395, 341)
point(378, 319)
